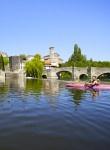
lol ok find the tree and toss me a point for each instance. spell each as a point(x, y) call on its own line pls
point(77, 58)
point(34, 68)
point(6, 60)
point(2, 66)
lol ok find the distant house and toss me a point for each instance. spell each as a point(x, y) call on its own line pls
point(29, 57)
point(53, 59)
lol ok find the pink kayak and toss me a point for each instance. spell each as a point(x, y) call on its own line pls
point(82, 86)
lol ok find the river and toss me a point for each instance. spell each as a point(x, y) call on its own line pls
point(45, 115)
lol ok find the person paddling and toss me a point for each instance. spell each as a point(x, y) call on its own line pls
point(94, 82)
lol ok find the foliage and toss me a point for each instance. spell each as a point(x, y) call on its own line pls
point(77, 59)
point(34, 68)
point(3, 62)
point(6, 60)
point(2, 67)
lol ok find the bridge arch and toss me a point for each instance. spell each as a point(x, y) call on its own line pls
point(104, 76)
point(44, 76)
point(64, 74)
point(79, 71)
point(83, 77)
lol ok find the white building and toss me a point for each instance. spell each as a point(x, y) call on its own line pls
point(53, 59)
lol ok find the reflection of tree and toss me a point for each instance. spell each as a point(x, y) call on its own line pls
point(77, 96)
point(33, 85)
point(3, 90)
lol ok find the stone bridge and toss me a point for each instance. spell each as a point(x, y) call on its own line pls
point(76, 72)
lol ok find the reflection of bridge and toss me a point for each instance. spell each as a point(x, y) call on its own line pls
point(76, 72)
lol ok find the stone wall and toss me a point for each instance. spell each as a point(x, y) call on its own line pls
point(77, 71)
point(2, 76)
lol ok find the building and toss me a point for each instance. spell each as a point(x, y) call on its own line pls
point(53, 59)
point(29, 57)
point(15, 63)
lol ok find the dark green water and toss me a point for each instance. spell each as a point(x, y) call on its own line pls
point(44, 115)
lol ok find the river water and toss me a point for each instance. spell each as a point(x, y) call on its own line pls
point(45, 115)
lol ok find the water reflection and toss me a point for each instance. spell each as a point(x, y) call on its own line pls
point(94, 93)
point(3, 89)
point(18, 83)
point(29, 124)
point(77, 96)
point(33, 85)
point(49, 88)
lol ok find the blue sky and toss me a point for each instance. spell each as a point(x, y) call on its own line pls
point(32, 26)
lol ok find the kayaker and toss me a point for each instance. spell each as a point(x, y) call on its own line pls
point(93, 83)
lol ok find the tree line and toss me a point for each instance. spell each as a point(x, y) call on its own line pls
point(34, 68)
point(77, 59)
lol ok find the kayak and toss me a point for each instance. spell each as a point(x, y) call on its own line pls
point(82, 86)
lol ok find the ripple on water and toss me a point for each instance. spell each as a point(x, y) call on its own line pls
point(59, 118)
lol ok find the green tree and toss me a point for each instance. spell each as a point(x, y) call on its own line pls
point(77, 58)
point(2, 65)
point(6, 60)
point(34, 68)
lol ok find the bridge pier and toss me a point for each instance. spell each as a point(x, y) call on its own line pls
point(50, 73)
